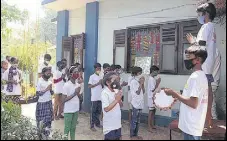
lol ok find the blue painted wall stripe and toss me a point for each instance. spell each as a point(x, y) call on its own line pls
point(62, 30)
point(91, 47)
point(47, 1)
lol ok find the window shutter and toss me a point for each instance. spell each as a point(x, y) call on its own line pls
point(168, 53)
point(67, 50)
point(120, 47)
point(185, 28)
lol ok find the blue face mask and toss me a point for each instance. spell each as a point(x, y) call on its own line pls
point(201, 19)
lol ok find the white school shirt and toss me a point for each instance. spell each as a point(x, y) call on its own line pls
point(207, 33)
point(58, 87)
point(16, 88)
point(96, 91)
point(130, 78)
point(191, 121)
point(150, 89)
point(73, 104)
point(41, 86)
point(111, 119)
point(137, 100)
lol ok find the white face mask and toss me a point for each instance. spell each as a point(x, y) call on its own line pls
point(138, 77)
point(47, 62)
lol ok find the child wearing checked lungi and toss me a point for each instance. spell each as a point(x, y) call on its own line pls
point(44, 108)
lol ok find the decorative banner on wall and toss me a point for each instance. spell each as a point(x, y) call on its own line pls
point(145, 43)
point(144, 63)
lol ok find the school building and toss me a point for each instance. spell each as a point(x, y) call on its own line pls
point(112, 31)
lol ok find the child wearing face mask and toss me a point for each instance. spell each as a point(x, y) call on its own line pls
point(137, 90)
point(95, 84)
point(151, 87)
point(71, 93)
point(46, 63)
point(211, 67)
point(111, 101)
point(12, 78)
point(58, 86)
point(44, 108)
point(194, 100)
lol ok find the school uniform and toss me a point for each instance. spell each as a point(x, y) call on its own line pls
point(96, 108)
point(111, 119)
point(44, 107)
point(137, 106)
point(191, 121)
point(71, 109)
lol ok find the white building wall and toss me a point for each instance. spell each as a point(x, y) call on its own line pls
point(118, 14)
point(77, 19)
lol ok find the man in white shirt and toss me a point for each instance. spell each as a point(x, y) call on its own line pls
point(151, 87)
point(58, 87)
point(46, 63)
point(206, 14)
point(194, 100)
point(137, 92)
point(44, 108)
point(71, 93)
point(111, 102)
point(95, 84)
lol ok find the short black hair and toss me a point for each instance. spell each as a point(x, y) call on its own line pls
point(47, 56)
point(71, 69)
point(117, 66)
point(136, 70)
point(198, 51)
point(106, 65)
point(12, 59)
point(209, 8)
point(107, 77)
point(97, 65)
point(59, 63)
point(63, 59)
point(45, 69)
point(154, 68)
point(113, 67)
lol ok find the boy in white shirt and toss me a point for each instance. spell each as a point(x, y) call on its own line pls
point(152, 86)
point(13, 79)
point(44, 108)
point(58, 87)
point(206, 14)
point(71, 91)
point(111, 101)
point(45, 64)
point(194, 100)
point(137, 92)
point(95, 84)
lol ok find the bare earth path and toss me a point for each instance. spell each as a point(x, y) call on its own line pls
point(84, 133)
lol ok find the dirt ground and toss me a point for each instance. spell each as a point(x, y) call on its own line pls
point(83, 131)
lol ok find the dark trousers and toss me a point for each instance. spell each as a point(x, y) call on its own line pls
point(113, 135)
point(81, 101)
point(134, 127)
point(96, 109)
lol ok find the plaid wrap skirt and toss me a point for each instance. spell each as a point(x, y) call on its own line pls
point(44, 112)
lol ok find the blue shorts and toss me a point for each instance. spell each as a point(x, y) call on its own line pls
point(210, 78)
point(113, 135)
point(190, 137)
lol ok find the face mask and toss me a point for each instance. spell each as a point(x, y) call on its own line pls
point(98, 72)
point(201, 19)
point(46, 76)
point(115, 85)
point(75, 76)
point(155, 73)
point(189, 64)
point(138, 77)
point(47, 62)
